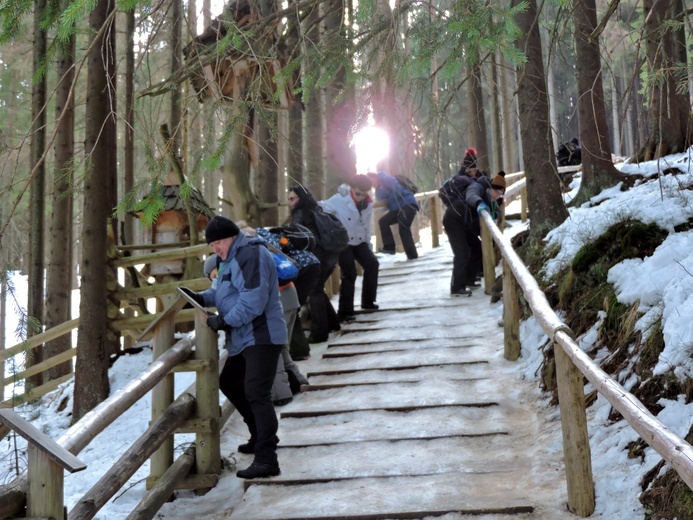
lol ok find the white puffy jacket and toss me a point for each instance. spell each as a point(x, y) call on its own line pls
point(357, 224)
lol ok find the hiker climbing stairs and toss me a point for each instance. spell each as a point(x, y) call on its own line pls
point(412, 412)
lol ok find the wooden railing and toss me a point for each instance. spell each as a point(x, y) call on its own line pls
point(196, 410)
point(132, 326)
point(571, 365)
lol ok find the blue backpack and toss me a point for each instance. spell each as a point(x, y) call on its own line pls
point(287, 270)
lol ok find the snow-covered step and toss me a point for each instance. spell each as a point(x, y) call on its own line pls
point(400, 334)
point(423, 344)
point(385, 425)
point(398, 457)
point(416, 373)
point(390, 497)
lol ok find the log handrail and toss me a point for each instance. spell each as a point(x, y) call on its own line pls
point(673, 449)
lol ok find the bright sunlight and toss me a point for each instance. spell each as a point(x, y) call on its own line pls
point(372, 145)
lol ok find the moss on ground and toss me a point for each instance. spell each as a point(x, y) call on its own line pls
point(583, 294)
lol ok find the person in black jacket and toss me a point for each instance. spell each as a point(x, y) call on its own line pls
point(323, 317)
point(461, 223)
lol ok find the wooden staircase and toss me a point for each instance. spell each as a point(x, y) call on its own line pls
point(412, 412)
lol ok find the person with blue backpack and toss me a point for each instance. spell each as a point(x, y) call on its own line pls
point(402, 208)
point(250, 313)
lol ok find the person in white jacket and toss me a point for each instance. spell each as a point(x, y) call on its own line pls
point(353, 206)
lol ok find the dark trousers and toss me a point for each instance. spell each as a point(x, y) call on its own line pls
point(323, 317)
point(306, 281)
point(466, 248)
point(362, 254)
point(403, 217)
point(246, 381)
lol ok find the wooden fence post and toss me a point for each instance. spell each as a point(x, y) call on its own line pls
point(162, 397)
point(46, 463)
point(523, 204)
point(208, 449)
point(511, 314)
point(435, 221)
point(488, 257)
point(576, 444)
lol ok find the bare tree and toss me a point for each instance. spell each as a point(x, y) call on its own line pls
point(598, 171)
point(35, 305)
point(59, 274)
point(543, 185)
point(669, 127)
point(94, 343)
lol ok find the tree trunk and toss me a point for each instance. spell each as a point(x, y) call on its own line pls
point(496, 139)
point(129, 130)
point(91, 371)
point(509, 120)
point(669, 114)
point(236, 175)
point(545, 201)
point(313, 175)
point(59, 282)
point(475, 112)
point(598, 171)
point(35, 304)
point(340, 109)
point(266, 179)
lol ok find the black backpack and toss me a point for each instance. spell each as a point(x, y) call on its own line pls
point(332, 235)
point(406, 183)
point(454, 189)
point(300, 237)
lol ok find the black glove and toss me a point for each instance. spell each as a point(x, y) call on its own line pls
point(216, 323)
point(196, 297)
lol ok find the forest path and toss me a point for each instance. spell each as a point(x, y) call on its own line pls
point(412, 412)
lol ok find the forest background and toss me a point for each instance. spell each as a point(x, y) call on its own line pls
point(122, 98)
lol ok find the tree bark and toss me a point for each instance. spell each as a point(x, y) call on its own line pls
point(59, 279)
point(598, 171)
point(91, 371)
point(478, 136)
point(35, 303)
point(669, 114)
point(340, 109)
point(313, 134)
point(545, 201)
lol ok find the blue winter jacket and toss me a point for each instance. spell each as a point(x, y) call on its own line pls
point(393, 192)
point(246, 295)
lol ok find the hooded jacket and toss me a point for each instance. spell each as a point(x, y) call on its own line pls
point(393, 192)
point(246, 295)
point(357, 223)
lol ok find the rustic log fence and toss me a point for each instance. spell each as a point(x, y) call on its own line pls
point(196, 410)
point(572, 363)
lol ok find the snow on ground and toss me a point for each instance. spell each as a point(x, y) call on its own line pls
point(663, 283)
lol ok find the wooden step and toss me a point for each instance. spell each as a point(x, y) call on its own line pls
point(409, 497)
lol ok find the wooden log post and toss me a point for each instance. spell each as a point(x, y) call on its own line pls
point(153, 501)
point(46, 463)
point(133, 458)
point(488, 258)
point(208, 443)
point(162, 396)
point(511, 315)
point(435, 221)
point(523, 204)
point(576, 444)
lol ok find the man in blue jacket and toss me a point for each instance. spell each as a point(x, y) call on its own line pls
point(402, 208)
point(246, 296)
